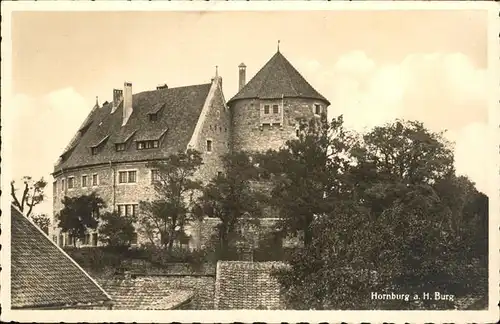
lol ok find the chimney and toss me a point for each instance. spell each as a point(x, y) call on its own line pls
point(127, 102)
point(117, 99)
point(242, 81)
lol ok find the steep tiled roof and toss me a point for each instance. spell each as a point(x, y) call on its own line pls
point(247, 285)
point(145, 294)
point(278, 78)
point(43, 275)
point(178, 111)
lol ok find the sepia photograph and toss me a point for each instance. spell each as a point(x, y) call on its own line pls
point(272, 162)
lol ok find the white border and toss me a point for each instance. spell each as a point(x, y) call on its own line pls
point(250, 316)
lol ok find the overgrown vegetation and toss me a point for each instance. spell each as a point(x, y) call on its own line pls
point(163, 218)
point(383, 212)
point(378, 212)
point(80, 214)
point(232, 199)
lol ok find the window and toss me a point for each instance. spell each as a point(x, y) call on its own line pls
point(95, 180)
point(219, 173)
point(276, 109)
point(95, 150)
point(266, 109)
point(153, 117)
point(144, 145)
point(132, 176)
point(84, 180)
point(127, 209)
point(86, 239)
point(94, 239)
point(120, 147)
point(71, 182)
point(134, 238)
point(63, 185)
point(297, 133)
point(155, 176)
point(127, 176)
point(209, 145)
point(317, 109)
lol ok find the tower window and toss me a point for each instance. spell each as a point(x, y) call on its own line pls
point(276, 109)
point(209, 145)
point(317, 109)
point(266, 109)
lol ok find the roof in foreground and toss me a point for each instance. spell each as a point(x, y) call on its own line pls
point(278, 78)
point(178, 111)
point(144, 294)
point(247, 285)
point(42, 275)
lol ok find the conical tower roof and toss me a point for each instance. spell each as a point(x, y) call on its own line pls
point(278, 78)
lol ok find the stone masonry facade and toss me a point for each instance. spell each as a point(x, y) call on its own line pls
point(256, 131)
point(263, 115)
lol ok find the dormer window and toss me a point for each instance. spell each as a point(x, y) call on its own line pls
point(317, 109)
point(153, 117)
point(95, 149)
point(120, 147)
point(266, 109)
point(145, 145)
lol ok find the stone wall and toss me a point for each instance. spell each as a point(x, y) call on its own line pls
point(216, 128)
point(252, 131)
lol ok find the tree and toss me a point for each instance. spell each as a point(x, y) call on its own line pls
point(306, 173)
point(42, 221)
point(232, 199)
point(396, 223)
point(80, 214)
point(166, 215)
point(116, 230)
point(32, 194)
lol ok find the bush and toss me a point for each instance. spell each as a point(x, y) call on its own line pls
point(96, 259)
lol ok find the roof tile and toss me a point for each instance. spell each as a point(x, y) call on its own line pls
point(178, 110)
point(42, 275)
point(278, 78)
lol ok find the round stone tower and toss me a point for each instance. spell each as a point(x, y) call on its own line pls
point(265, 111)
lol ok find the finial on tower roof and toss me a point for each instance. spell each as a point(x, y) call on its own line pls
point(278, 45)
point(216, 70)
point(97, 101)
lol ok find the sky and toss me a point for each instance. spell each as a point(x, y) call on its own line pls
point(374, 67)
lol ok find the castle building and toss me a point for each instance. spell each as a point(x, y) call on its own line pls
point(112, 147)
